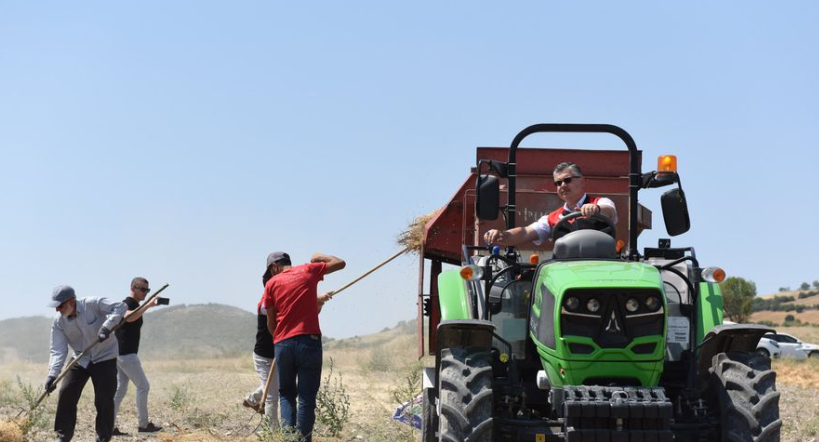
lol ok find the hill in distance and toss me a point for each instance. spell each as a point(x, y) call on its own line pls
point(177, 332)
point(180, 331)
point(798, 307)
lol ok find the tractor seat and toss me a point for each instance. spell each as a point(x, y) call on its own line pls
point(585, 244)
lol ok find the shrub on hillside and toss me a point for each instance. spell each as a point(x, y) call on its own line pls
point(808, 294)
point(776, 304)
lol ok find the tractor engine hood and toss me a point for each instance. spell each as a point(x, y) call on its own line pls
point(562, 276)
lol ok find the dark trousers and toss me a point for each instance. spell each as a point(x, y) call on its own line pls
point(104, 377)
point(298, 361)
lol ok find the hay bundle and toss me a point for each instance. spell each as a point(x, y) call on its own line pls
point(189, 437)
point(11, 432)
point(413, 238)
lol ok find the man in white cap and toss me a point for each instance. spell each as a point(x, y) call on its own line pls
point(81, 323)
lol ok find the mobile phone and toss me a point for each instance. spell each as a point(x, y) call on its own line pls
point(162, 301)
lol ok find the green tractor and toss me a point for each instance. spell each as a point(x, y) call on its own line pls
point(599, 342)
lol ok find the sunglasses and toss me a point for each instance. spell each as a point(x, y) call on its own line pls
point(143, 289)
point(567, 180)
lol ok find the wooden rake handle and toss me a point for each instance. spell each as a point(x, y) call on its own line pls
point(263, 400)
point(404, 250)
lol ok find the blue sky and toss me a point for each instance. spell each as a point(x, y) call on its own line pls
point(185, 140)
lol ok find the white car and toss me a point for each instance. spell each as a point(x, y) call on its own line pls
point(786, 346)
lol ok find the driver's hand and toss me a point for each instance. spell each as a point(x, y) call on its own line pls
point(493, 236)
point(590, 209)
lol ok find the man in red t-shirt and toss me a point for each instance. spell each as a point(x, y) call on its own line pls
point(571, 188)
point(292, 318)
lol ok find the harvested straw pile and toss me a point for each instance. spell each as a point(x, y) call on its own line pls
point(189, 437)
point(413, 238)
point(11, 432)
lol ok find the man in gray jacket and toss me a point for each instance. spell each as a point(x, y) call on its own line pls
point(81, 323)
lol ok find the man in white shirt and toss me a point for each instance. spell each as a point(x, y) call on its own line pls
point(81, 323)
point(571, 188)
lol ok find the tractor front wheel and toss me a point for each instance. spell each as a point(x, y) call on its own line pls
point(429, 423)
point(745, 389)
point(465, 389)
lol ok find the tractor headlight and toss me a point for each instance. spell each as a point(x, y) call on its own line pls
point(593, 305)
point(632, 305)
point(572, 304)
point(653, 304)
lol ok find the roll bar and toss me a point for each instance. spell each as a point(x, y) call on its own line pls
point(635, 175)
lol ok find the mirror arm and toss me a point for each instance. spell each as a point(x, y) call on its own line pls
point(654, 179)
point(499, 167)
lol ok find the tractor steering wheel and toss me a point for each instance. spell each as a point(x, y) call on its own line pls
point(597, 222)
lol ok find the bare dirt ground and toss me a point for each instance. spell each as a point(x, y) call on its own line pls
point(200, 401)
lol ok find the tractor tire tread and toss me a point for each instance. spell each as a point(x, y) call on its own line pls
point(466, 398)
point(745, 388)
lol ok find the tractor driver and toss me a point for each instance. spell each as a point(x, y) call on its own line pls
point(571, 188)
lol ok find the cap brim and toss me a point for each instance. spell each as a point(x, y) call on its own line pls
point(54, 304)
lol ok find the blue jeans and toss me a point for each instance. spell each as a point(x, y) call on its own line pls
point(298, 361)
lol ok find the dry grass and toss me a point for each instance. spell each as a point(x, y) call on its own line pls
point(413, 237)
point(803, 374)
point(209, 394)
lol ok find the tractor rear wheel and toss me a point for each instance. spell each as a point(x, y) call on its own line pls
point(465, 395)
point(745, 388)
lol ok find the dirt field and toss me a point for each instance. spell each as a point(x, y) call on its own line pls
point(201, 400)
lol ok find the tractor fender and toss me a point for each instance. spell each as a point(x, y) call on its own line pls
point(728, 338)
point(464, 333)
point(452, 296)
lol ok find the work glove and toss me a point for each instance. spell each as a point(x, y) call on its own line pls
point(104, 334)
point(49, 384)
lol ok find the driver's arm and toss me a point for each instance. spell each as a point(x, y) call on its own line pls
point(511, 237)
point(602, 209)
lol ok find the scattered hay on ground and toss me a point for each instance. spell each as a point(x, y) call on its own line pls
point(10, 432)
point(413, 237)
point(190, 437)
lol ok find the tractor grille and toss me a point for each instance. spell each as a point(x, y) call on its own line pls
point(612, 324)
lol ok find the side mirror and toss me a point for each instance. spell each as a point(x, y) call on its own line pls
point(487, 197)
point(675, 212)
